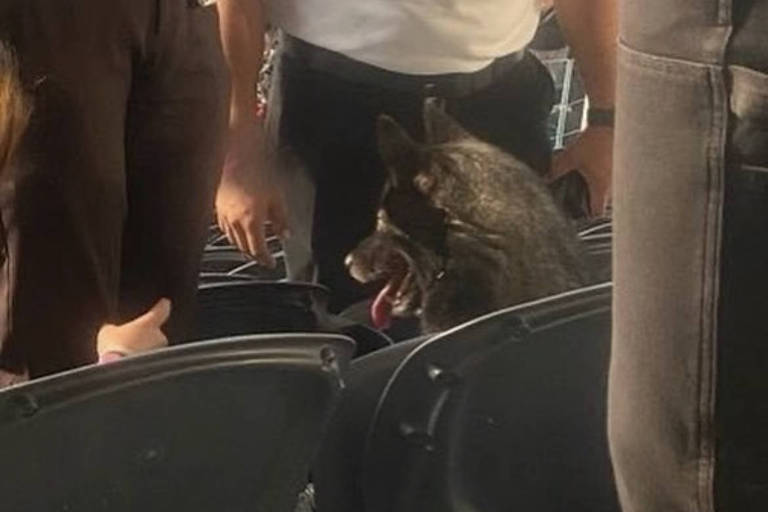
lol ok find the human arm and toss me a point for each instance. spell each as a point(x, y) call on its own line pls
point(246, 197)
point(591, 30)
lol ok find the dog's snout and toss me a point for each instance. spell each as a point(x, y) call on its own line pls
point(349, 261)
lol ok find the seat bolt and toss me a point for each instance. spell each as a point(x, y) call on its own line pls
point(417, 437)
point(442, 377)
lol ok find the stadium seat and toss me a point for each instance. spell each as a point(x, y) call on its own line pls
point(221, 277)
point(248, 307)
point(599, 242)
point(231, 261)
point(226, 425)
point(507, 412)
point(229, 309)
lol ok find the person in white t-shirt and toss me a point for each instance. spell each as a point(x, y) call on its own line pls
point(344, 62)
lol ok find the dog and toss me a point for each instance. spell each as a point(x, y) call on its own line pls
point(463, 229)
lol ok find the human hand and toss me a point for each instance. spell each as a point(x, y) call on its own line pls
point(591, 154)
point(246, 199)
point(139, 335)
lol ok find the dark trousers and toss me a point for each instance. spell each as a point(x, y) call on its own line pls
point(328, 122)
point(107, 204)
point(689, 373)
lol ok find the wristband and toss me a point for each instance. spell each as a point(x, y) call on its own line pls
point(600, 117)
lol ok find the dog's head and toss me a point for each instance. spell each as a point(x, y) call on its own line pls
point(463, 229)
point(451, 193)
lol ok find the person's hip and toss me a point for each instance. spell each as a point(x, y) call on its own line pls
point(302, 55)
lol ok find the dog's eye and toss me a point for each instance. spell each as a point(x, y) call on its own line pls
point(424, 182)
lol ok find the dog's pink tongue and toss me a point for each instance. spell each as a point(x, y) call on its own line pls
point(381, 309)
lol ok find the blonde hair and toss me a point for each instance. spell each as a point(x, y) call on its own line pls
point(14, 106)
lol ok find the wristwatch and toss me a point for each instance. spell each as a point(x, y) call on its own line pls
point(600, 117)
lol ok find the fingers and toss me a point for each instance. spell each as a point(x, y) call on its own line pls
point(247, 231)
point(596, 205)
point(604, 206)
point(158, 314)
point(228, 233)
point(139, 335)
point(599, 197)
point(608, 204)
point(563, 162)
point(239, 237)
point(249, 237)
point(257, 244)
point(227, 230)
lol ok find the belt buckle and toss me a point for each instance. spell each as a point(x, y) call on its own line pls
point(201, 3)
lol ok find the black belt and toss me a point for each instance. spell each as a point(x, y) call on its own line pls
point(448, 85)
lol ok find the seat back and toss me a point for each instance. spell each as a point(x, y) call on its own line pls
point(235, 308)
point(507, 412)
point(222, 277)
point(240, 307)
point(229, 260)
point(225, 425)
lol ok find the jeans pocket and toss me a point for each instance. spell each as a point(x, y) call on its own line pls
point(749, 118)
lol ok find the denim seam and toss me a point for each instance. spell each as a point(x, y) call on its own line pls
point(709, 292)
point(711, 269)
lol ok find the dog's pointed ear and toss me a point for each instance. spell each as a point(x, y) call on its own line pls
point(398, 150)
point(439, 126)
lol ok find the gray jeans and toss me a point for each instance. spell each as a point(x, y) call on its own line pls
point(689, 374)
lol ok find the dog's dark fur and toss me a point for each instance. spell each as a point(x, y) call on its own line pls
point(476, 229)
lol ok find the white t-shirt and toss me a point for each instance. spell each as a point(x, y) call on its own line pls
point(412, 36)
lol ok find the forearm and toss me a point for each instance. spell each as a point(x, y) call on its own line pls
point(242, 27)
point(591, 29)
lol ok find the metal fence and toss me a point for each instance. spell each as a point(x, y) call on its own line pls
point(569, 114)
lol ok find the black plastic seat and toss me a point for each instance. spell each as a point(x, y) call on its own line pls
point(229, 309)
point(219, 242)
point(246, 307)
point(598, 226)
point(221, 277)
point(231, 261)
point(600, 254)
point(598, 239)
point(216, 238)
point(507, 412)
point(226, 425)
